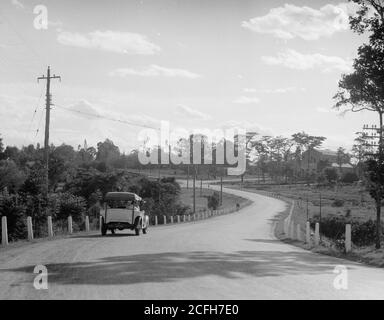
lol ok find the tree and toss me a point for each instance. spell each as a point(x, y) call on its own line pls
point(331, 175)
point(363, 89)
point(342, 157)
point(107, 152)
point(310, 143)
point(262, 148)
point(1, 146)
point(359, 152)
point(214, 201)
point(10, 176)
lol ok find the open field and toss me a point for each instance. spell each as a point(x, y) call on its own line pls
point(355, 199)
point(229, 200)
point(334, 201)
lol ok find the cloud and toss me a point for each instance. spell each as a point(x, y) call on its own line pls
point(275, 91)
point(290, 21)
point(192, 113)
point(247, 100)
point(295, 60)
point(155, 71)
point(248, 126)
point(113, 41)
point(17, 3)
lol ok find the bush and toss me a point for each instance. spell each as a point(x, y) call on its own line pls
point(338, 203)
point(349, 178)
point(363, 233)
point(16, 219)
point(64, 205)
point(333, 227)
point(214, 201)
point(331, 175)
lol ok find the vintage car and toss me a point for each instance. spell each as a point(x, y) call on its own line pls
point(122, 210)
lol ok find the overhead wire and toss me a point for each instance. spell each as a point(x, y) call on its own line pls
point(130, 123)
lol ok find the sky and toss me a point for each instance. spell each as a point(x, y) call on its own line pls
point(267, 66)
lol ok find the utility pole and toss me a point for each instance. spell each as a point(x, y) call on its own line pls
point(194, 190)
point(48, 103)
point(188, 177)
point(221, 189)
point(377, 133)
point(320, 215)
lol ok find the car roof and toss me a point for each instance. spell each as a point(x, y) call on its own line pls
point(122, 196)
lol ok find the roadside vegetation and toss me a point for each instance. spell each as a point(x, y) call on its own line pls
point(210, 200)
point(79, 180)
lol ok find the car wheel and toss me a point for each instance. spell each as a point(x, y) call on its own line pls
point(145, 230)
point(137, 231)
point(113, 231)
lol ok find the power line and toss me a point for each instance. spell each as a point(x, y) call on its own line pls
point(39, 124)
point(34, 115)
point(107, 118)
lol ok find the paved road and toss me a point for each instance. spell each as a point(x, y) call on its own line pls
point(230, 257)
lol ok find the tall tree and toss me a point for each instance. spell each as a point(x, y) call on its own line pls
point(363, 89)
point(309, 143)
point(1, 145)
point(342, 157)
point(107, 152)
point(359, 152)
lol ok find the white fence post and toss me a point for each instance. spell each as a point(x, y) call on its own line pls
point(50, 227)
point(70, 227)
point(29, 228)
point(86, 223)
point(178, 219)
point(156, 222)
point(171, 219)
point(4, 231)
point(292, 231)
point(165, 219)
point(298, 233)
point(100, 221)
point(348, 238)
point(286, 227)
point(183, 217)
point(317, 234)
point(308, 233)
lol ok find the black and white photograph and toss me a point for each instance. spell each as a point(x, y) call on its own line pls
point(191, 154)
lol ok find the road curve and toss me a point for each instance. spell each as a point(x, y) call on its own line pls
point(230, 257)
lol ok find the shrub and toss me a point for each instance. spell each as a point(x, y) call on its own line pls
point(349, 177)
point(363, 233)
point(333, 227)
point(16, 219)
point(64, 205)
point(338, 203)
point(214, 201)
point(331, 175)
